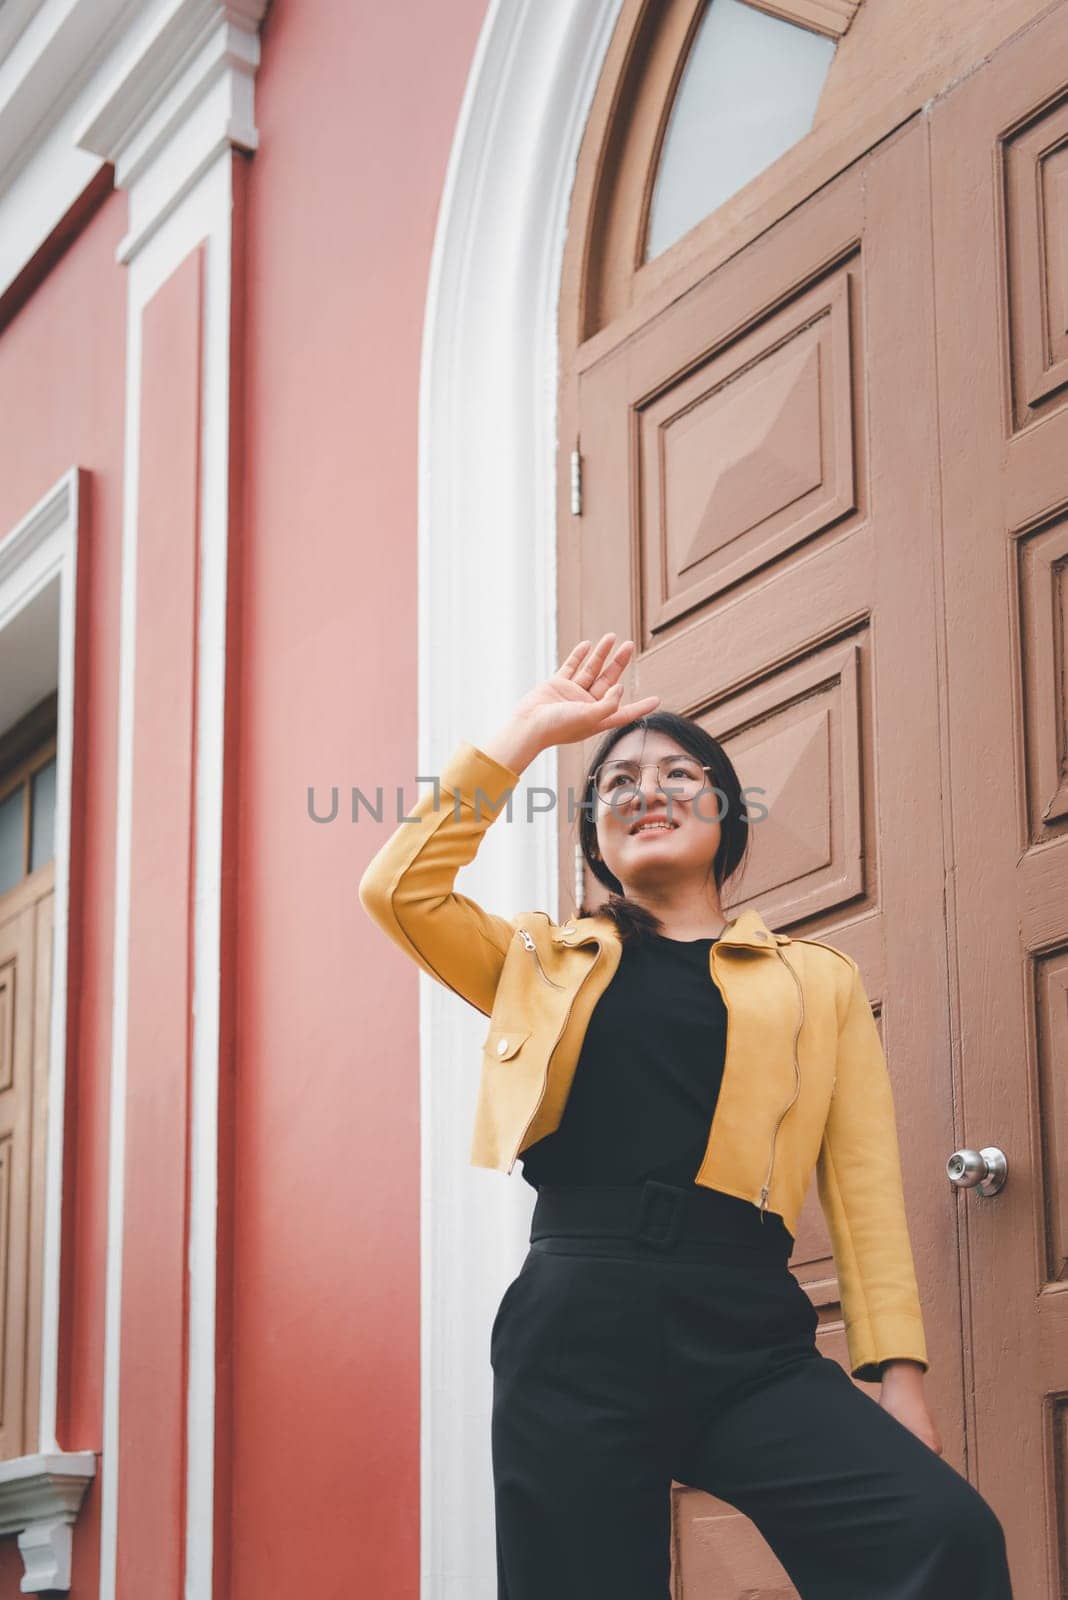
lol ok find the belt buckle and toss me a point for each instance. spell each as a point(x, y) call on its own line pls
point(652, 1190)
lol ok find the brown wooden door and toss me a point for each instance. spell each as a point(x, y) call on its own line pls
point(1000, 184)
point(25, 1003)
point(761, 514)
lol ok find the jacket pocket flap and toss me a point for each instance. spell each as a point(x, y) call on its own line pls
point(502, 1043)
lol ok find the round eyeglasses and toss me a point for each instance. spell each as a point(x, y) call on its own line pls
point(620, 781)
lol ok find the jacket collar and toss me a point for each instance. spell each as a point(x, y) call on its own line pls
point(749, 930)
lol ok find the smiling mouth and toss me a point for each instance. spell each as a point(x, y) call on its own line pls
point(656, 825)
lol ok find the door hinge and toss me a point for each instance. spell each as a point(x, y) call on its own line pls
point(576, 483)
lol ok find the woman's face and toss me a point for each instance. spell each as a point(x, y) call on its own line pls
point(649, 857)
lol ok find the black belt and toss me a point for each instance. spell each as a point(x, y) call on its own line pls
point(658, 1214)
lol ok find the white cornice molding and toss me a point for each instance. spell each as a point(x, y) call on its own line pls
point(15, 17)
point(27, 547)
point(158, 87)
point(40, 1497)
point(49, 53)
point(194, 45)
point(53, 50)
point(175, 104)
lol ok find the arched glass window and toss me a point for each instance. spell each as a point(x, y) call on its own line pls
point(748, 92)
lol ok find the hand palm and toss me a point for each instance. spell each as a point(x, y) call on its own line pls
point(583, 696)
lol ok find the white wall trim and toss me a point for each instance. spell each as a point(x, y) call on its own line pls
point(187, 96)
point(163, 90)
point(169, 120)
point(42, 549)
point(40, 1497)
point(487, 593)
point(49, 53)
point(88, 81)
point(205, 214)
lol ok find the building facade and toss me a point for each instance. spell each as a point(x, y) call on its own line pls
point(354, 363)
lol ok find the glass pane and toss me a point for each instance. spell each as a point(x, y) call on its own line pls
point(11, 839)
point(749, 91)
point(43, 815)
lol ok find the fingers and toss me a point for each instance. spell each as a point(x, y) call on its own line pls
point(597, 671)
point(584, 663)
point(570, 663)
point(631, 711)
point(613, 669)
point(638, 708)
point(591, 668)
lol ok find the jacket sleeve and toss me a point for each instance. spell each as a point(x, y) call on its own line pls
point(407, 887)
point(860, 1190)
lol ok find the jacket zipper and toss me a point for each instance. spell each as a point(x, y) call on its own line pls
point(556, 1041)
point(797, 1089)
point(528, 940)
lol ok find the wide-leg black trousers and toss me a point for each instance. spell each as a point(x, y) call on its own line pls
point(623, 1362)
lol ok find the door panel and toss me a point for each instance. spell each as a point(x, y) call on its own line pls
point(761, 515)
point(1000, 185)
point(25, 991)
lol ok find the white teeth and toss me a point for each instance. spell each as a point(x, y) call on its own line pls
point(646, 826)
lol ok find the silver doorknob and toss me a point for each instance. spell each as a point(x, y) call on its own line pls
point(985, 1170)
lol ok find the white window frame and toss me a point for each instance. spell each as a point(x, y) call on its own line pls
point(40, 1493)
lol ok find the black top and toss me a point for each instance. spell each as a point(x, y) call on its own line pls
point(648, 1074)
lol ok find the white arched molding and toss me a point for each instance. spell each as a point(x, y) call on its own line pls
point(487, 631)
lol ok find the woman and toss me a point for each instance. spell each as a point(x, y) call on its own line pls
point(672, 1080)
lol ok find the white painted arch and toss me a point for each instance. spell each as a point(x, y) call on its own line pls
point(487, 631)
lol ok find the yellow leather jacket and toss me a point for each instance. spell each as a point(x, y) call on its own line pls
point(805, 1085)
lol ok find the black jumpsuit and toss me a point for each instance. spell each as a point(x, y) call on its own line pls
point(655, 1332)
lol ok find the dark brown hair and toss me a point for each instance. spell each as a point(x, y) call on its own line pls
point(629, 917)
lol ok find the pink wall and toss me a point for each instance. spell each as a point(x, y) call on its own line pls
point(61, 399)
point(356, 107)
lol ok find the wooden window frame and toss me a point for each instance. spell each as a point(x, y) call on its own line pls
point(831, 17)
point(620, 158)
point(24, 749)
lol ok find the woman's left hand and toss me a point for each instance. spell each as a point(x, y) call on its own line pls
point(902, 1395)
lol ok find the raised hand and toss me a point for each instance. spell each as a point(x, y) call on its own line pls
point(583, 697)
